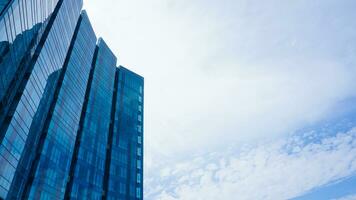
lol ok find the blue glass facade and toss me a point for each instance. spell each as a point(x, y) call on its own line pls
point(89, 172)
point(24, 92)
point(22, 171)
point(3, 4)
point(126, 166)
point(21, 28)
point(71, 122)
point(53, 167)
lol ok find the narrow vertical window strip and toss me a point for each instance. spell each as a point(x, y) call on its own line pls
point(80, 129)
point(110, 139)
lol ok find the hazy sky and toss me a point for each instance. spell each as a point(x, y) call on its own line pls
point(244, 99)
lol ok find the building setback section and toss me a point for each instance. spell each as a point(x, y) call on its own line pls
point(126, 170)
point(71, 122)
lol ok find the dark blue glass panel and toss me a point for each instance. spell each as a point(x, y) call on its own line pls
point(89, 171)
point(126, 169)
point(3, 4)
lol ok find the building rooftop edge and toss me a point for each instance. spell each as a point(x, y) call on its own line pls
point(122, 67)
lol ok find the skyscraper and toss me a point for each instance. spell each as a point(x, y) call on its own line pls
point(71, 122)
point(126, 147)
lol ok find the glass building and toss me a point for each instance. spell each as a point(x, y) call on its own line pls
point(126, 147)
point(71, 122)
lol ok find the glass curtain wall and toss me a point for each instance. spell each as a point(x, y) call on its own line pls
point(126, 168)
point(89, 171)
point(46, 51)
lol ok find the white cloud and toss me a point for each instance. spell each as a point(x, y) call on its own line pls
point(224, 73)
point(244, 69)
point(349, 197)
point(266, 171)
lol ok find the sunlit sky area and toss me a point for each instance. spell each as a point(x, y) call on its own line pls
point(244, 99)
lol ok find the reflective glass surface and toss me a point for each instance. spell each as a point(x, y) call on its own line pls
point(24, 15)
point(53, 168)
point(21, 28)
point(126, 169)
point(89, 171)
point(23, 168)
point(68, 117)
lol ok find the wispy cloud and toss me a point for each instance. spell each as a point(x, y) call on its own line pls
point(247, 69)
point(232, 72)
point(281, 169)
point(349, 197)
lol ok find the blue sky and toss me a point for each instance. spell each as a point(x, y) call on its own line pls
point(244, 99)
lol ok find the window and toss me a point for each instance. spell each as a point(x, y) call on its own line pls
point(139, 150)
point(138, 192)
point(139, 164)
point(122, 188)
point(138, 178)
point(139, 139)
point(122, 158)
point(123, 172)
